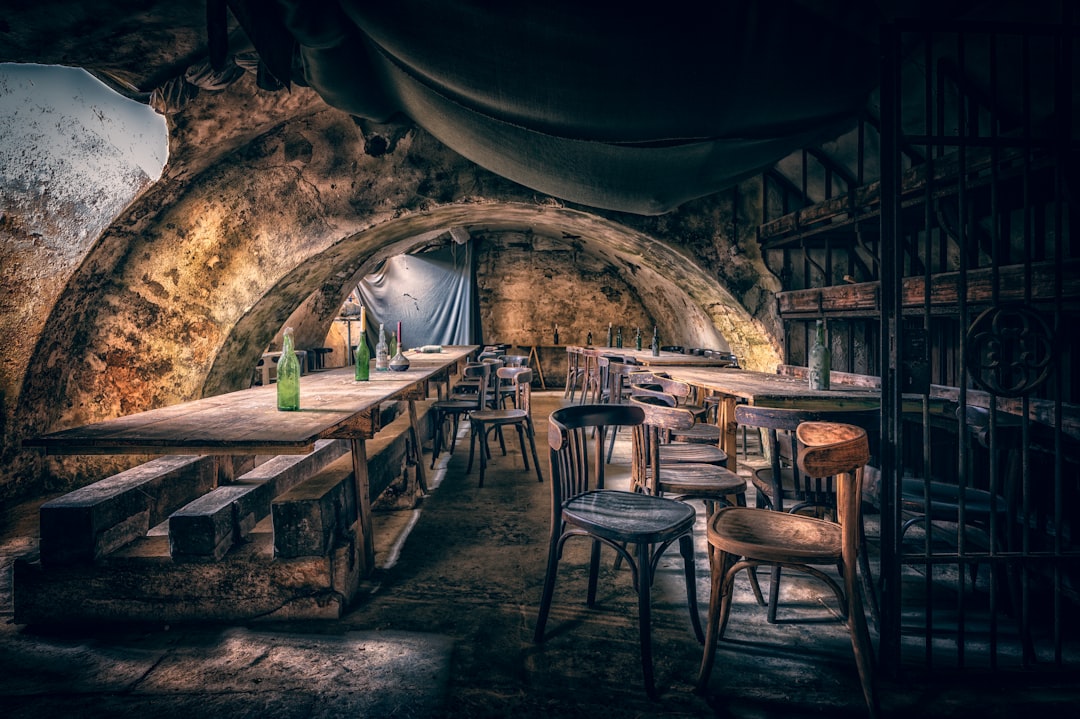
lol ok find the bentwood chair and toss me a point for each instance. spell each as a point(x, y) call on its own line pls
point(701, 432)
point(781, 487)
point(483, 421)
point(475, 375)
point(713, 484)
point(748, 537)
point(671, 425)
point(581, 506)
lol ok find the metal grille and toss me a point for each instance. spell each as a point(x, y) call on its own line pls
point(981, 468)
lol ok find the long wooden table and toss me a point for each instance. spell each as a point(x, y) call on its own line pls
point(332, 406)
point(768, 390)
point(645, 358)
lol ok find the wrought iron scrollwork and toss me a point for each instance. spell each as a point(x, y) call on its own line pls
point(1010, 350)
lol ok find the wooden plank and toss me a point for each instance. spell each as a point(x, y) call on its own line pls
point(864, 297)
point(864, 202)
point(92, 521)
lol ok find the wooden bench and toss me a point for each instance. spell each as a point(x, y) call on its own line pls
point(92, 521)
point(211, 524)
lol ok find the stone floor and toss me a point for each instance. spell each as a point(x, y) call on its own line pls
point(444, 629)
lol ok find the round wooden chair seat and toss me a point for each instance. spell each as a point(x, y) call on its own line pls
point(692, 454)
point(700, 433)
point(762, 480)
point(775, 536)
point(628, 516)
point(498, 416)
point(699, 480)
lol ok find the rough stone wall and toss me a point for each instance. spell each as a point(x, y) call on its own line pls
point(270, 208)
point(528, 284)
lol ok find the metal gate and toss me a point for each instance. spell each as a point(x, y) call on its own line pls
point(979, 311)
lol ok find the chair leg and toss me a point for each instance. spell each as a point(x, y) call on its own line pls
point(594, 573)
point(774, 594)
point(436, 440)
point(536, 459)
point(717, 572)
point(549, 588)
point(860, 642)
point(686, 549)
point(645, 616)
point(472, 446)
point(521, 441)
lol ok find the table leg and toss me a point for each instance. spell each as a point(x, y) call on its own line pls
point(365, 533)
point(414, 425)
point(725, 415)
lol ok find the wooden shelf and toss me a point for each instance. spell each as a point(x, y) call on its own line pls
point(863, 299)
point(864, 202)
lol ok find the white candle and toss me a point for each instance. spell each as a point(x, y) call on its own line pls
point(363, 319)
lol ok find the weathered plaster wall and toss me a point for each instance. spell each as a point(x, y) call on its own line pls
point(528, 283)
point(269, 210)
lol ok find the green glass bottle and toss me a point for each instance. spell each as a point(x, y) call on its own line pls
point(820, 360)
point(288, 375)
point(363, 360)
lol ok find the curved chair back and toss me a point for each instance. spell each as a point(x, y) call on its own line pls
point(661, 418)
point(574, 467)
point(781, 444)
point(831, 449)
point(515, 360)
point(519, 382)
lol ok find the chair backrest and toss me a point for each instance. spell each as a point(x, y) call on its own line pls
point(661, 418)
point(482, 372)
point(575, 468)
point(781, 444)
point(515, 360)
point(834, 449)
point(519, 380)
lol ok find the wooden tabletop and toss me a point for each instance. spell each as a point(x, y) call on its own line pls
point(645, 358)
point(332, 405)
point(773, 390)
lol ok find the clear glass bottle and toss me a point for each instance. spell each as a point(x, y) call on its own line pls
point(637, 338)
point(610, 338)
point(655, 341)
point(382, 351)
point(820, 360)
point(618, 338)
point(288, 375)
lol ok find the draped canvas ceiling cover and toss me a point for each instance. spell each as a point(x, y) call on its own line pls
point(629, 108)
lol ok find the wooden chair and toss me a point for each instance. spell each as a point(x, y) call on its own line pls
point(702, 432)
point(582, 507)
point(781, 487)
point(652, 474)
point(748, 537)
point(483, 421)
point(671, 450)
point(475, 377)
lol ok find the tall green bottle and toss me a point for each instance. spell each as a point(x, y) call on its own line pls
point(363, 360)
point(820, 360)
point(288, 375)
point(363, 356)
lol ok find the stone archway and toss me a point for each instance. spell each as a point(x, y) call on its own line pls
point(671, 284)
